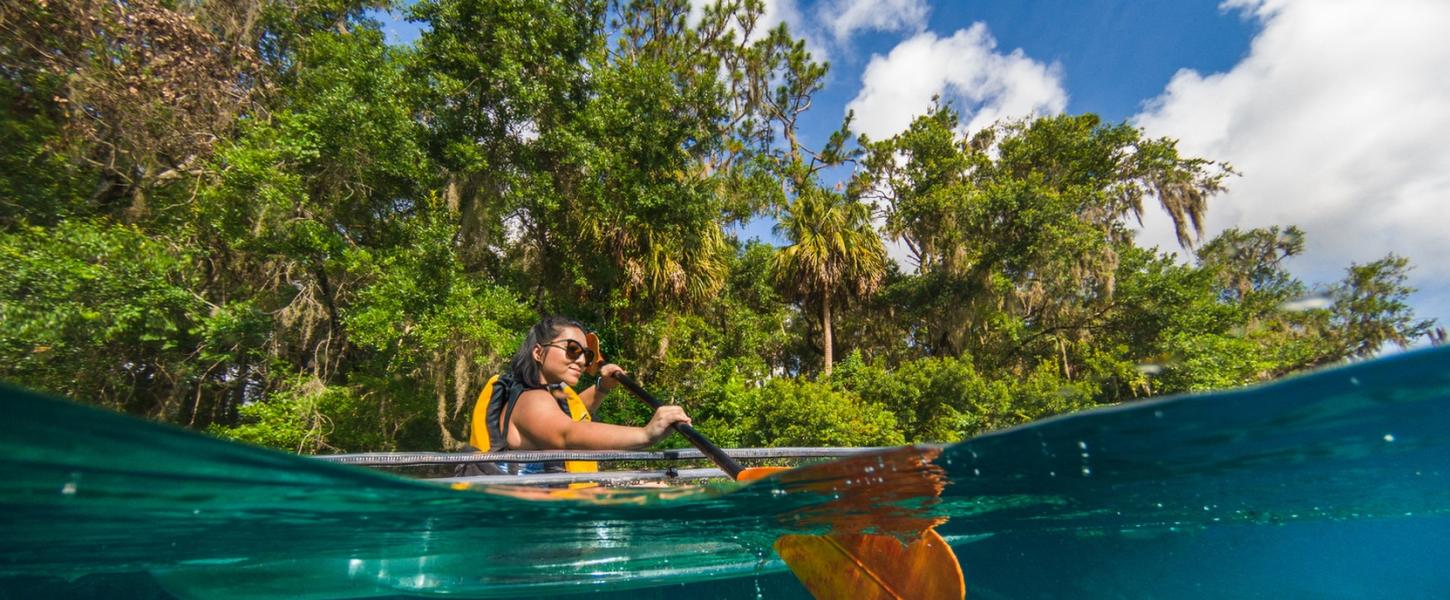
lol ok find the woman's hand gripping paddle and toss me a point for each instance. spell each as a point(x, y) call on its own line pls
point(726, 464)
point(846, 563)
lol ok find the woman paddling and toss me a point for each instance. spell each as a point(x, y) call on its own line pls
point(533, 406)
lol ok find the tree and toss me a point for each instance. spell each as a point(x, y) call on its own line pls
point(1371, 308)
point(1251, 262)
point(1017, 230)
point(144, 89)
point(835, 254)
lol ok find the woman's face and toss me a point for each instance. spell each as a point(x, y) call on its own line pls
point(553, 357)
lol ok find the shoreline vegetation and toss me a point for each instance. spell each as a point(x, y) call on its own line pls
point(258, 219)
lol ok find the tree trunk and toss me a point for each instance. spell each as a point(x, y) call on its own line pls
point(449, 443)
point(826, 327)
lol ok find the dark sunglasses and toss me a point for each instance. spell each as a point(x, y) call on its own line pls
point(573, 350)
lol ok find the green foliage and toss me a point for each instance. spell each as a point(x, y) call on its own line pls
point(947, 399)
point(38, 184)
point(103, 312)
point(1371, 309)
point(793, 412)
point(1250, 263)
point(417, 316)
point(291, 419)
point(306, 416)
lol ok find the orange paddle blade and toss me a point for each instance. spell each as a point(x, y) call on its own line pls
point(753, 473)
point(874, 567)
point(592, 341)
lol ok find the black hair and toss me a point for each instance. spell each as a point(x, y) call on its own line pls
point(524, 369)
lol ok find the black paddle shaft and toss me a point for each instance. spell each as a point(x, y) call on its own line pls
point(724, 461)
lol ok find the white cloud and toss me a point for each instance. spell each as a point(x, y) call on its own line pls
point(965, 70)
point(1337, 120)
point(774, 13)
point(845, 17)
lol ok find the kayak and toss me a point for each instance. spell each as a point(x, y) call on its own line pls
point(1332, 484)
point(660, 467)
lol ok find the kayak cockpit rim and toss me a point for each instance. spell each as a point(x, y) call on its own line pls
point(414, 459)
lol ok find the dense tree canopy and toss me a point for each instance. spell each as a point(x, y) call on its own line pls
point(260, 219)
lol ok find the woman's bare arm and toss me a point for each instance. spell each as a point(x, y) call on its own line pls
point(540, 425)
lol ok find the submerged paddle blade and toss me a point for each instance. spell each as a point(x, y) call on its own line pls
point(874, 567)
point(881, 493)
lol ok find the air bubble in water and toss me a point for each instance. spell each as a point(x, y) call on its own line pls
point(1389, 437)
point(1086, 472)
point(69, 489)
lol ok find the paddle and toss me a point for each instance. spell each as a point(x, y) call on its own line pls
point(726, 464)
point(850, 564)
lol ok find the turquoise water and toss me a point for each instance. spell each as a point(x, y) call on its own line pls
point(1332, 485)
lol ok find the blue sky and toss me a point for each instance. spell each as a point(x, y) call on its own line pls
point(1334, 112)
point(1114, 54)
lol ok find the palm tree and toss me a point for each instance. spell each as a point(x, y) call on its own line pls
point(834, 253)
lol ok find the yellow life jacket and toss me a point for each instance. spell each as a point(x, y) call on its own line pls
point(488, 429)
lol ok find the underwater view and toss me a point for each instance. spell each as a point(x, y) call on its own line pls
point(1329, 485)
